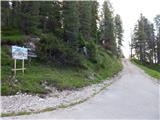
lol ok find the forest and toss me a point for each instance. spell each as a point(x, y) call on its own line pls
point(77, 45)
point(146, 40)
point(64, 59)
point(145, 45)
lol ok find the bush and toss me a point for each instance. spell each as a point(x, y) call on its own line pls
point(52, 49)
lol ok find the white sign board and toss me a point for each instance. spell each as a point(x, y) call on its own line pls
point(19, 53)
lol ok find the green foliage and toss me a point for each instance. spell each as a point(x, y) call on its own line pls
point(6, 13)
point(50, 17)
point(52, 49)
point(65, 29)
point(157, 22)
point(60, 76)
point(118, 34)
point(85, 18)
point(107, 28)
point(14, 39)
point(29, 16)
point(12, 36)
point(144, 41)
point(71, 22)
point(94, 19)
point(92, 50)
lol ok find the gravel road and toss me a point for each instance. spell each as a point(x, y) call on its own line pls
point(134, 96)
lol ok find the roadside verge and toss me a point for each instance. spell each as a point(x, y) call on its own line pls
point(23, 104)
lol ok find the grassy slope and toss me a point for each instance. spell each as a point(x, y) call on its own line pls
point(12, 36)
point(62, 77)
point(152, 70)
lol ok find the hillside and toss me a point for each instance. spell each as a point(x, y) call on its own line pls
point(70, 50)
point(60, 76)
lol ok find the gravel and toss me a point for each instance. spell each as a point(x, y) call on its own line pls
point(32, 103)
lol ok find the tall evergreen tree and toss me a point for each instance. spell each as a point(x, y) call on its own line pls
point(16, 12)
point(144, 40)
point(29, 16)
point(140, 38)
point(150, 41)
point(94, 19)
point(157, 22)
point(71, 22)
point(85, 14)
point(107, 28)
point(118, 33)
point(5, 14)
point(50, 16)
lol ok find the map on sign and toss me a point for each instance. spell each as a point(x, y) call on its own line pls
point(19, 53)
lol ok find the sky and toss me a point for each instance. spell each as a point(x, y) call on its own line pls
point(130, 11)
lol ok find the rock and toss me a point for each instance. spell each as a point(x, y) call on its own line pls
point(91, 76)
point(24, 102)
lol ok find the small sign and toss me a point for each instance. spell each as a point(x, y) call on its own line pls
point(31, 53)
point(20, 53)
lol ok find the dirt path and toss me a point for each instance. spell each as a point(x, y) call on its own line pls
point(133, 96)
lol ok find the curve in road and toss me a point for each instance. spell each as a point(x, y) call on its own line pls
point(133, 96)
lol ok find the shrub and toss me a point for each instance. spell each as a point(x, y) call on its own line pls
point(52, 49)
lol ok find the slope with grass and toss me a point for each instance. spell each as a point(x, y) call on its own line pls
point(57, 75)
point(151, 69)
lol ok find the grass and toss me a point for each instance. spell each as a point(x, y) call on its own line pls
point(58, 107)
point(151, 69)
point(12, 37)
point(61, 77)
point(15, 114)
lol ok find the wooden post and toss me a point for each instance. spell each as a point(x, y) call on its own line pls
point(15, 66)
point(23, 66)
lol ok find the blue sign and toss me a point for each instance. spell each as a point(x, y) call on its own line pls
point(19, 53)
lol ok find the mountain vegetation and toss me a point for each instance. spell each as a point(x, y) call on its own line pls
point(76, 44)
point(145, 45)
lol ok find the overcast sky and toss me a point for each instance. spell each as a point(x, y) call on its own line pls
point(130, 10)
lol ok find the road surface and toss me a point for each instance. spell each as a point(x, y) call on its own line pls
point(134, 96)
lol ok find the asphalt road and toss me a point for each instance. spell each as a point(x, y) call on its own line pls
point(134, 96)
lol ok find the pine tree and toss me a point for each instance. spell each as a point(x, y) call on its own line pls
point(71, 22)
point(5, 14)
point(94, 19)
point(118, 33)
point(144, 40)
point(50, 17)
point(140, 37)
point(150, 41)
point(85, 19)
point(16, 12)
point(157, 22)
point(29, 16)
point(107, 28)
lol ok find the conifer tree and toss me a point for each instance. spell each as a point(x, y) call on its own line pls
point(85, 19)
point(71, 22)
point(29, 16)
point(107, 28)
point(118, 33)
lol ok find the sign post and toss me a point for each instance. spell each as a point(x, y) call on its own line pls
point(15, 66)
point(23, 66)
point(19, 53)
